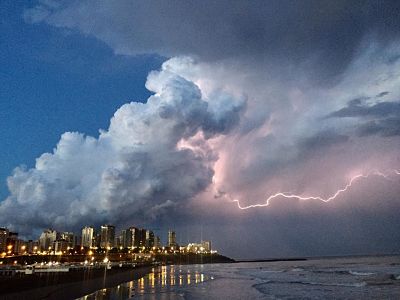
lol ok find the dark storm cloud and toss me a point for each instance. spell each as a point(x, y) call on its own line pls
point(329, 33)
point(382, 118)
point(357, 101)
point(382, 94)
point(357, 109)
point(386, 127)
point(322, 140)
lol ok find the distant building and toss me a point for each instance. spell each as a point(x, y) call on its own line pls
point(203, 247)
point(61, 245)
point(118, 241)
point(171, 239)
point(107, 239)
point(77, 241)
point(97, 239)
point(87, 236)
point(68, 237)
point(149, 238)
point(157, 242)
point(206, 245)
point(3, 239)
point(14, 244)
point(46, 240)
point(12, 237)
point(126, 238)
point(32, 246)
point(134, 237)
point(21, 247)
point(142, 237)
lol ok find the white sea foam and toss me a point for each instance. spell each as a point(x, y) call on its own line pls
point(361, 273)
point(354, 284)
point(344, 284)
point(272, 271)
point(297, 270)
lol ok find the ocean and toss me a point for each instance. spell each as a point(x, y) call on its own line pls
point(327, 278)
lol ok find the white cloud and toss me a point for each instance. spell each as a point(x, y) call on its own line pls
point(132, 170)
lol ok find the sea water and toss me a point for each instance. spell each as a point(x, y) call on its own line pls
point(328, 278)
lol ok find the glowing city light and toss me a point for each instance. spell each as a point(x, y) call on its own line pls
point(319, 198)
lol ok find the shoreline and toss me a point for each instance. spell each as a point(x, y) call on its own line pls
point(270, 260)
point(81, 282)
point(76, 284)
point(305, 258)
point(78, 288)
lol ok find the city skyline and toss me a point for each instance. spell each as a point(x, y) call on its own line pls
point(55, 242)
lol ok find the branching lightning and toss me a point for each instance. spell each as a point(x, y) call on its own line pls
point(304, 198)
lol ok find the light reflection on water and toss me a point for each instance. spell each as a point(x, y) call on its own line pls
point(330, 278)
point(162, 280)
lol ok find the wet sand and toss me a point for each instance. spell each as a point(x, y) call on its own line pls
point(70, 290)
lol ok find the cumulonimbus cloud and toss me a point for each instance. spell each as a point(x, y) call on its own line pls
point(134, 169)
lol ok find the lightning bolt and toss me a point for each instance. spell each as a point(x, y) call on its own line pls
point(299, 197)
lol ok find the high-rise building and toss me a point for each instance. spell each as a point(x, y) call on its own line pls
point(157, 242)
point(97, 239)
point(171, 238)
point(142, 237)
point(77, 241)
point(118, 241)
point(206, 245)
point(149, 238)
point(47, 238)
point(107, 239)
point(126, 238)
point(32, 246)
point(13, 243)
point(134, 234)
point(21, 247)
point(3, 239)
point(61, 245)
point(123, 237)
point(203, 247)
point(87, 236)
point(68, 237)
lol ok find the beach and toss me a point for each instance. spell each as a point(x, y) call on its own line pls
point(371, 277)
point(87, 279)
point(68, 286)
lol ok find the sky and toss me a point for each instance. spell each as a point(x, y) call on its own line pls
point(271, 128)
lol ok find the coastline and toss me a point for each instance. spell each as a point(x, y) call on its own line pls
point(77, 288)
point(270, 260)
point(78, 283)
point(305, 258)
